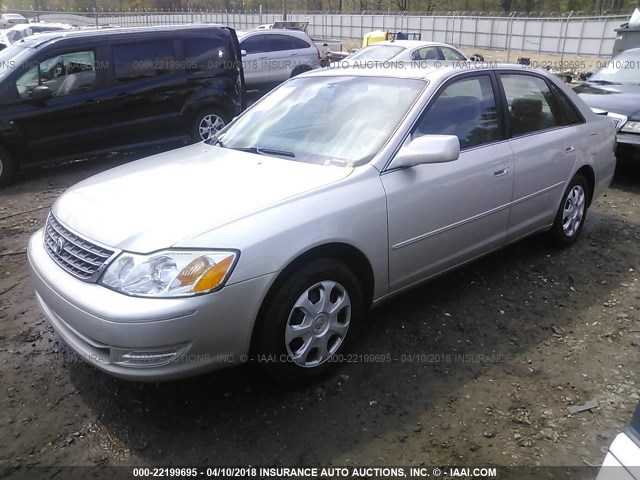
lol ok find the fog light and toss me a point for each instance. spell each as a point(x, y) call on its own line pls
point(146, 357)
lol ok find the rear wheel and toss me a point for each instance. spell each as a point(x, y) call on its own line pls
point(309, 321)
point(571, 213)
point(7, 167)
point(207, 123)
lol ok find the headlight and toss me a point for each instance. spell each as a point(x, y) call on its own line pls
point(631, 127)
point(171, 273)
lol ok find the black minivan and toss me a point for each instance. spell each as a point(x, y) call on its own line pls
point(68, 95)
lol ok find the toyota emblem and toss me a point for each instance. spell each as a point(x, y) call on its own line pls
point(59, 246)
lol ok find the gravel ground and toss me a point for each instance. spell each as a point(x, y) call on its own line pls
point(484, 363)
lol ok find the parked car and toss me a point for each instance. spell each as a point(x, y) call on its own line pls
point(623, 457)
point(69, 95)
point(615, 89)
point(18, 32)
point(271, 56)
point(407, 50)
point(272, 240)
point(8, 20)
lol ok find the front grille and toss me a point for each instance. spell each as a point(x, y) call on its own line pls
point(76, 255)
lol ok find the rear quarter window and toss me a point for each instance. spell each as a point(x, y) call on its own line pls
point(207, 53)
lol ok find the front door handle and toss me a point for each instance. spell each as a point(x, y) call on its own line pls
point(568, 149)
point(501, 171)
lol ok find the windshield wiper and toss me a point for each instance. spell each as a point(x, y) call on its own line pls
point(603, 82)
point(264, 151)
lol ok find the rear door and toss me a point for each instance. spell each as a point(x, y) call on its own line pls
point(544, 148)
point(146, 92)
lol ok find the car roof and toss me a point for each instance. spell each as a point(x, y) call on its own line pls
point(410, 43)
point(25, 26)
point(436, 70)
point(273, 31)
point(44, 38)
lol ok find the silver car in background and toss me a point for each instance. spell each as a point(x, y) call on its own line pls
point(273, 240)
point(407, 51)
point(269, 57)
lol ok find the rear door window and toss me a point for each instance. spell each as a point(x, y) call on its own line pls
point(532, 106)
point(142, 60)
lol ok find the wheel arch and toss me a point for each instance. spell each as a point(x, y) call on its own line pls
point(353, 257)
point(587, 172)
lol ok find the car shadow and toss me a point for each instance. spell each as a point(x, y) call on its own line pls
point(486, 314)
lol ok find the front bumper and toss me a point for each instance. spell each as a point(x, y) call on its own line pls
point(213, 331)
point(631, 139)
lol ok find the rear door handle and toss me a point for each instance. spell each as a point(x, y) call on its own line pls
point(501, 171)
point(569, 149)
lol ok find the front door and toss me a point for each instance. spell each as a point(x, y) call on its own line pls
point(441, 215)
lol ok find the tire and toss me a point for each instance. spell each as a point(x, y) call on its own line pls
point(7, 167)
point(299, 69)
point(209, 118)
point(572, 213)
point(283, 351)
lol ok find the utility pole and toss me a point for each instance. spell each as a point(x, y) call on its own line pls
point(284, 10)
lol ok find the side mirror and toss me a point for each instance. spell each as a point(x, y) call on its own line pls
point(428, 149)
point(41, 92)
point(585, 75)
point(243, 53)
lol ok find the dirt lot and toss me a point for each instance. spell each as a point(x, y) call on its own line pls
point(484, 363)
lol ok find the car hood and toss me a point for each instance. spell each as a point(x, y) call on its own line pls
point(623, 99)
point(158, 201)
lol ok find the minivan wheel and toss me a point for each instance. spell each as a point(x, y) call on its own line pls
point(207, 123)
point(300, 69)
point(571, 213)
point(309, 321)
point(7, 167)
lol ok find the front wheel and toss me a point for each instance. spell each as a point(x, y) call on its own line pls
point(207, 124)
point(571, 213)
point(309, 321)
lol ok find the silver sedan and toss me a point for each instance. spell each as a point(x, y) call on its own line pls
point(407, 51)
point(333, 193)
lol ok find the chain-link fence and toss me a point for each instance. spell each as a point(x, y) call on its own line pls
point(585, 35)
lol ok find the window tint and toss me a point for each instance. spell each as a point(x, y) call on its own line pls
point(255, 44)
point(63, 74)
point(206, 53)
point(532, 107)
point(569, 112)
point(466, 109)
point(297, 43)
point(136, 61)
point(451, 54)
point(279, 43)
point(426, 53)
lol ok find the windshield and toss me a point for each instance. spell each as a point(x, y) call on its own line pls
point(326, 120)
point(378, 53)
point(624, 68)
point(12, 58)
